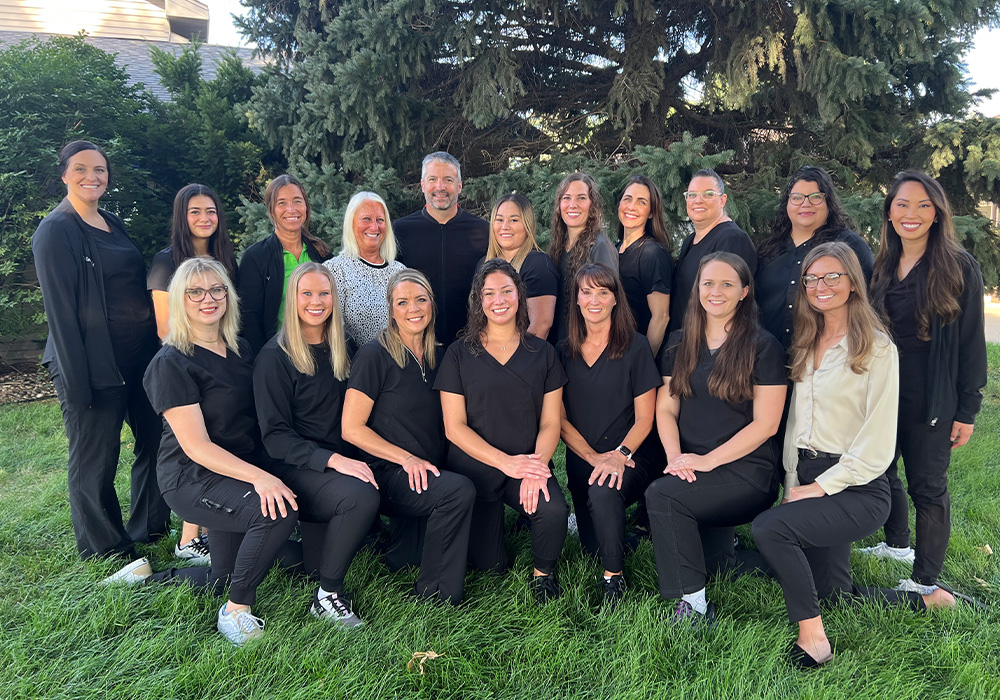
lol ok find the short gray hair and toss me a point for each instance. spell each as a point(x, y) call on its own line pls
point(444, 157)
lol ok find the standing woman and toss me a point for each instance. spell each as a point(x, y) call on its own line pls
point(577, 238)
point(299, 380)
point(266, 265)
point(198, 227)
point(513, 239)
point(713, 231)
point(724, 385)
point(501, 395)
point(101, 337)
point(362, 270)
point(392, 413)
point(810, 213)
point(608, 406)
point(209, 467)
point(844, 402)
point(930, 292)
point(647, 271)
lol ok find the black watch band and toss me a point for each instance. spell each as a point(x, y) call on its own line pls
point(625, 451)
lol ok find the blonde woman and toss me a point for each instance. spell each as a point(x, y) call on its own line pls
point(299, 382)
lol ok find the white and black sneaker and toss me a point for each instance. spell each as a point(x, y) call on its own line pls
point(335, 609)
point(194, 551)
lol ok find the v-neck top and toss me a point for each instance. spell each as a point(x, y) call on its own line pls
point(222, 387)
point(503, 403)
point(600, 398)
point(901, 298)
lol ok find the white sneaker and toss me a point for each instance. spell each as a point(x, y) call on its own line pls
point(911, 586)
point(195, 551)
point(335, 610)
point(130, 574)
point(884, 551)
point(239, 626)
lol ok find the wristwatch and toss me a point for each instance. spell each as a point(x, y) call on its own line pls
point(625, 451)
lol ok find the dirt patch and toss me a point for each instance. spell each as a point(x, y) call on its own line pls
point(27, 382)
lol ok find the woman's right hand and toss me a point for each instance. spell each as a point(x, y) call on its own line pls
point(525, 467)
point(417, 469)
point(352, 467)
point(273, 493)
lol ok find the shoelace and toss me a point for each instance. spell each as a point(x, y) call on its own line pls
point(336, 605)
point(199, 547)
point(247, 622)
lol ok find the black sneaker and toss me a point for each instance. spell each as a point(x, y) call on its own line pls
point(545, 588)
point(613, 590)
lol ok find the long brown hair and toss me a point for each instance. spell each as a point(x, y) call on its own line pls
point(943, 282)
point(270, 199)
point(731, 378)
point(530, 227)
point(622, 321)
point(220, 246)
point(655, 224)
point(579, 254)
point(476, 322)
point(863, 324)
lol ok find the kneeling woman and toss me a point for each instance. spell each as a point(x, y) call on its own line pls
point(392, 413)
point(202, 383)
point(299, 379)
point(501, 393)
point(838, 444)
point(608, 405)
point(724, 386)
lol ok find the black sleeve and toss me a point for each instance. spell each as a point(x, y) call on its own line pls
point(169, 382)
point(669, 354)
point(642, 368)
point(971, 345)
point(449, 375)
point(656, 269)
point(540, 276)
point(739, 242)
point(604, 252)
point(250, 285)
point(864, 253)
point(274, 379)
point(769, 365)
point(368, 370)
point(555, 376)
point(161, 270)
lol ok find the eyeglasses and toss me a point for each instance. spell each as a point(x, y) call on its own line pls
point(830, 279)
point(707, 194)
point(816, 198)
point(197, 294)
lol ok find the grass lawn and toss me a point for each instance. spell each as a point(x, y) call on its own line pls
point(62, 636)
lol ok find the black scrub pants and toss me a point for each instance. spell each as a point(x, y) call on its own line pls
point(493, 489)
point(94, 434)
point(926, 453)
point(443, 515)
point(348, 506)
point(244, 541)
point(807, 543)
point(690, 524)
point(600, 510)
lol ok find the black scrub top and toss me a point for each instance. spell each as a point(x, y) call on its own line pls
point(161, 271)
point(901, 308)
point(778, 281)
point(223, 387)
point(600, 399)
point(407, 410)
point(541, 278)
point(645, 267)
point(706, 421)
point(299, 415)
point(503, 403)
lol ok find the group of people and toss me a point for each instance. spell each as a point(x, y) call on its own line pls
point(429, 370)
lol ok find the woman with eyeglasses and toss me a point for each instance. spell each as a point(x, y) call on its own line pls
point(844, 402)
point(810, 213)
point(930, 293)
point(714, 231)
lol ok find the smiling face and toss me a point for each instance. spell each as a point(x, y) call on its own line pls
point(289, 211)
point(701, 209)
point(202, 216)
point(314, 302)
point(574, 206)
point(499, 299)
point(208, 312)
point(441, 186)
point(411, 309)
point(509, 229)
point(634, 208)
point(369, 230)
point(596, 303)
point(806, 217)
point(86, 176)
point(912, 213)
point(823, 298)
point(720, 290)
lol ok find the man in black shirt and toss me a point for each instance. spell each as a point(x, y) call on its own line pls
point(443, 241)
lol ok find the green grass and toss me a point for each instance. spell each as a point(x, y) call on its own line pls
point(62, 636)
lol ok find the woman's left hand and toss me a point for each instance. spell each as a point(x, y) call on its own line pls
point(610, 466)
point(417, 470)
point(960, 433)
point(800, 493)
point(684, 465)
point(530, 488)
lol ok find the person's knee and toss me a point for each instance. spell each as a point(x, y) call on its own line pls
point(767, 526)
point(554, 510)
point(602, 500)
point(928, 490)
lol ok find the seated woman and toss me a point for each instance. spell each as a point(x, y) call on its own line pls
point(838, 444)
point(608, 406)
point(208, 469)
point(299, 381)
point(501, 393)
point(723, 392)
point(393, 414)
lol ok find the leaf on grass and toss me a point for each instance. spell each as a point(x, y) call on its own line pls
point(985, 549)
point(984, 584)
point(421, 657)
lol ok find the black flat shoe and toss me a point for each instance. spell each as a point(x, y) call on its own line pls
point(962, 598)
point(801, 659)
